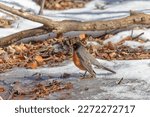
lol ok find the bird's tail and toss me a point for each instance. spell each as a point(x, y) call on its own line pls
point(105, 68)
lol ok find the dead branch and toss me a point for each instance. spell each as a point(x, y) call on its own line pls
point(23, 34)
point(120, 81)
point(36, 38)
point(70, 25)
point(138, 35)
point(28, 16)
point(42, 33)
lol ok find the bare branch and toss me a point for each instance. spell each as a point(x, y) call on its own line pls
point(20, 35)
point(28, 16)
point(71, 25)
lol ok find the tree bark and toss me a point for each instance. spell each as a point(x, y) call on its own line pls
point(4, 41)
point(70, 25)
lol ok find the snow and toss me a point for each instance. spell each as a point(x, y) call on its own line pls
point(135, 73)
point(18, 26)
point(124, 69)
point(133, 44)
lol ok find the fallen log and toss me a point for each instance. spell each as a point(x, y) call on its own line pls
point(60, 27)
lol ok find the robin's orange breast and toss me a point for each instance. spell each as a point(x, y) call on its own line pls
point(77, 61)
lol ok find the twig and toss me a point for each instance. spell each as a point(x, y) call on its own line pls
point(138, 35)
point(131, 33)
point(120, 81)
point(11, 95)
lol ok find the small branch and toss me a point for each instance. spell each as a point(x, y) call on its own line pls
point(28, 16)
point(120, 81)
point(131, 33)
point(35, 38)
point(138, 35)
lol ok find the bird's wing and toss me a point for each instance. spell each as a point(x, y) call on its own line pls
point(87, 65)
point(93, 60)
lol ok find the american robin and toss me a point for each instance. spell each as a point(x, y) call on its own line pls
point(84, 60)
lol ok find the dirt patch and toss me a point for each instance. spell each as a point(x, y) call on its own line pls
point(36, 89)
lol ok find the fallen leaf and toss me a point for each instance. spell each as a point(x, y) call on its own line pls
point(82, 36)
point(32, 65)
point(141, 41)
point(2, 89)
point(108, 36)
point(111, 46)
point(1, 61)
point(124, 39)
point(1, 51)
point(20, 47)
point(112, 55)
point(39, 59)
point(10, 49)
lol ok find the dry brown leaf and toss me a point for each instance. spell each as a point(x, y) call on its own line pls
point(21, 57)
point(124, 39)
point(1, 51)
point(10, 49)
point(1, 61)
point(39, 59)
point(68, 86)
point(108, 36)
point(2, 89)
point(20, 47)
point(112, 55)
point(111, 46)
point(82, 37)
point(32, 65)
point(141, 41)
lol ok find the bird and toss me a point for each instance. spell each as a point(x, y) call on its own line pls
point(84, 60)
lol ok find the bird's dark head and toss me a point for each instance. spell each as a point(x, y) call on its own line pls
point(76, 45)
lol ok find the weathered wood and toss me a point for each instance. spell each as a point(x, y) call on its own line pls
point(17, 36)
point(28, 16)
point(71, 25)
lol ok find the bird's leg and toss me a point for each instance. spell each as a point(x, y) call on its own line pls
point(84, 74)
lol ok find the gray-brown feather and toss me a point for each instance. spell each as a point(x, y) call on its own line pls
point(87, 64)
point(88, 57)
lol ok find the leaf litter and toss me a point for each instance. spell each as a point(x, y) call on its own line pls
point(51, 52)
